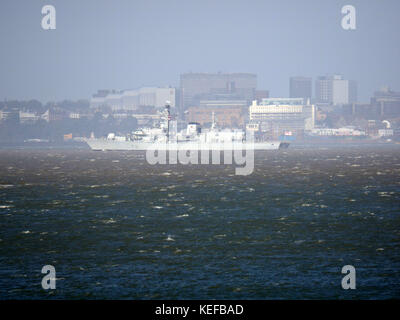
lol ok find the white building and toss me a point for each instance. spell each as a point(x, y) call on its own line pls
point(385, 132)
point(28, 117)
point(283, 109)
point(75, 115)
point(282, 114)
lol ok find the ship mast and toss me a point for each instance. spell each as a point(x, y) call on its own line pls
point(213, 125)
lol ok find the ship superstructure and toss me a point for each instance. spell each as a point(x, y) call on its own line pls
point(166, 137)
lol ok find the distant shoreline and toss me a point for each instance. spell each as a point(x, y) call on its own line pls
point(299, 144)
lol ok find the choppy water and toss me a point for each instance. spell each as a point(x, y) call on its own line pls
point(116, 227)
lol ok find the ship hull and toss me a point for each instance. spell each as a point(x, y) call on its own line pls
point(112, 145)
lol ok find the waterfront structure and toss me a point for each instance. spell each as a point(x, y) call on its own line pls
point(79, 115)
point(279, 115)
point(133, 99)
point(10, 116)
point(54, 114)
point(341, 132)
point(195, 87)
point(335, 90)
point(300, 87)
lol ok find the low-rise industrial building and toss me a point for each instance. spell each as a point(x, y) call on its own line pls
point(228, 113)
point(133, 99)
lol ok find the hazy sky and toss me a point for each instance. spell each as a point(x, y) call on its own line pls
point(127, 44)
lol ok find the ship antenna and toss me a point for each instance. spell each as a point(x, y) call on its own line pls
point(167, 109)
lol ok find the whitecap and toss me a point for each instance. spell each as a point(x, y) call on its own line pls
point(3, 186)
point(109, 221)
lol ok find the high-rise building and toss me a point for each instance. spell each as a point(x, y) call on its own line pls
point(387, 102)
point(300, 87)
point(335, 90)
point(216, 86)
point(323, 90)
point(352, 91)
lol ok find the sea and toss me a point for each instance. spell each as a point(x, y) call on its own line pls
point(116, 227)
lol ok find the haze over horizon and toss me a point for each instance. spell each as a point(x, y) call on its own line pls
point(127, 44)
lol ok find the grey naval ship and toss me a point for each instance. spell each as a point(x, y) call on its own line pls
point(166, 137)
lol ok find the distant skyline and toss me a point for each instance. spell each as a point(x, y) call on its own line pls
point(125, 44)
